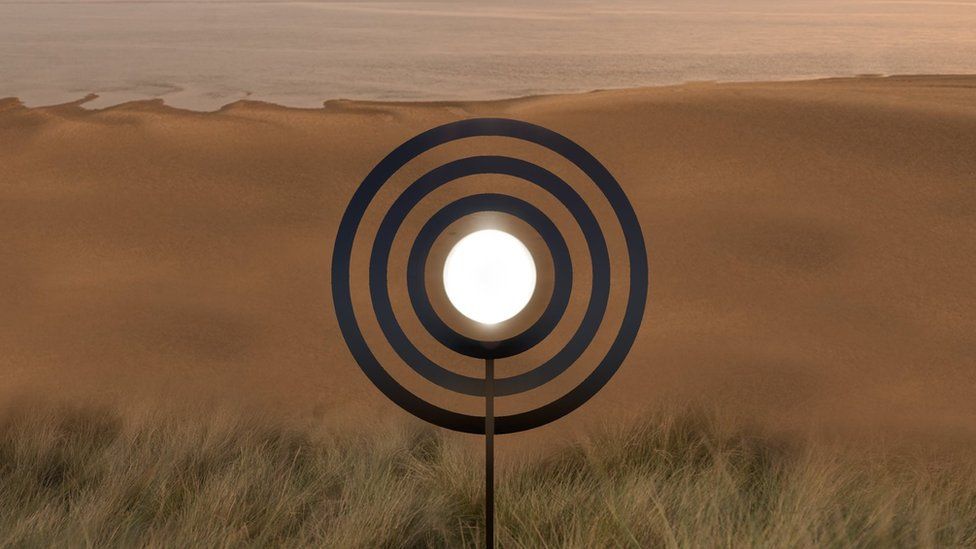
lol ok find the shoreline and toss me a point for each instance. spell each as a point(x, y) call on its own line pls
point(84, 101)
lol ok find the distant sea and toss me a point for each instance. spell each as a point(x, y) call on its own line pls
point(202, 55)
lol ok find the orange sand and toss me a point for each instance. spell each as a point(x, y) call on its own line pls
point(812, 248)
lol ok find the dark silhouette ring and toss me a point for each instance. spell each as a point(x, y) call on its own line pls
point(562, 282)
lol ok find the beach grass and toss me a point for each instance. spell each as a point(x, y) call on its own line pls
point(72, 477)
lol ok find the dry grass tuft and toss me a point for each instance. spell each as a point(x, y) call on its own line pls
point(75, 477)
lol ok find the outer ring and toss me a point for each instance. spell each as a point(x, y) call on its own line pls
point(341, 263)
point(558, 300)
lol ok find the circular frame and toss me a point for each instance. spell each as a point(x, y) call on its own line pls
point(633, 236)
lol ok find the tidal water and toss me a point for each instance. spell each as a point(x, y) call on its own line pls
point(202, 55)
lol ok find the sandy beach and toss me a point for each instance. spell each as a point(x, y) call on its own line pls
point(811, 248)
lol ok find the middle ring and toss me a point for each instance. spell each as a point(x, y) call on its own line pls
point(599, 287)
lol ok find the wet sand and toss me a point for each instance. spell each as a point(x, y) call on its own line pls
point(811, 247)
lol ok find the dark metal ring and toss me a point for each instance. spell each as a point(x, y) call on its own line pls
point(539, 330)
point(633, 237)
point(562, 273)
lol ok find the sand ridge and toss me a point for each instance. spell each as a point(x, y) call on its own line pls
point(811, 247)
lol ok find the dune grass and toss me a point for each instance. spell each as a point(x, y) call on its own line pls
point(71, 477)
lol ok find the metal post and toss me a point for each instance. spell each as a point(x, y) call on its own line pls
point(490, 453)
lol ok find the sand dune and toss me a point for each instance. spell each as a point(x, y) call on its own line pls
point(811, 244)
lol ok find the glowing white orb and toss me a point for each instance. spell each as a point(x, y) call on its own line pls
point(489, 276)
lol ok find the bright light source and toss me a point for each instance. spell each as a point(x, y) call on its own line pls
point(489, 276)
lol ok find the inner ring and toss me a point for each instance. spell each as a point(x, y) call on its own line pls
point(445, 243)
point(562, 274)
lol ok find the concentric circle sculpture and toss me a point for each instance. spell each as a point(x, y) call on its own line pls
point(487, 348)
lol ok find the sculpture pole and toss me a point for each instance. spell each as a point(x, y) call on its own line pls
point(490, 453)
